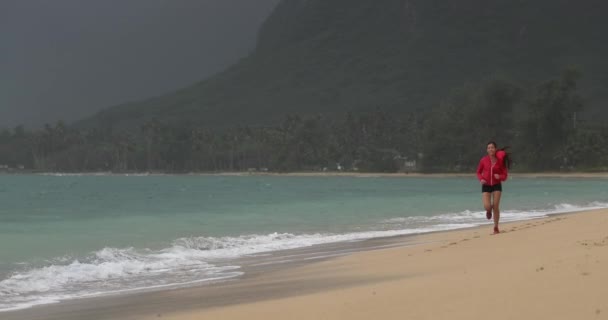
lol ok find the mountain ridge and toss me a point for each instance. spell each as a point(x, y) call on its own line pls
point(338, 56)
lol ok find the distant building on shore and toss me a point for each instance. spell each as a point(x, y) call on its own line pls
point(406, 164)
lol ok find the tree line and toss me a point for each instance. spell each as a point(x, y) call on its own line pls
point(542, 124)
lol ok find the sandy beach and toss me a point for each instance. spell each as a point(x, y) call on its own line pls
point(413, 174)
point(553, 268)
point(602, 175)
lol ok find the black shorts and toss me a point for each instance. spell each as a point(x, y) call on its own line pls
point(486, 188)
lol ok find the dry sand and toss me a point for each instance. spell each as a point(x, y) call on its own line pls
point(555, 268)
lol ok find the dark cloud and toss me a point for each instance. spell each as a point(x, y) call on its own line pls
point(65, 59)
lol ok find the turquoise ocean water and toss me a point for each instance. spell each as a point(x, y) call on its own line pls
point(68, 236)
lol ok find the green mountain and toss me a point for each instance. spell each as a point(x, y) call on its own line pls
point(334, 56)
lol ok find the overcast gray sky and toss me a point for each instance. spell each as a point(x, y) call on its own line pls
point(66, 59)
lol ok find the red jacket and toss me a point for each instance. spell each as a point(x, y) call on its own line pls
point(486, 172)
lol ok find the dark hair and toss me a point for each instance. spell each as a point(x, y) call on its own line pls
point(507, 159)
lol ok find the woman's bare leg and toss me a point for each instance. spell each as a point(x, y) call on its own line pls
point(496, 206)
point(486, 197)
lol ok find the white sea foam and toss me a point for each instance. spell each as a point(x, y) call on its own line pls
point(188, 260)
point(106, 271)
point(199, 259)
point(478, 217)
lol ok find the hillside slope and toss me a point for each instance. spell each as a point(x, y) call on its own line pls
point(334, 56)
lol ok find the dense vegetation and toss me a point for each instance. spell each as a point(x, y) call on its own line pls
point(370, 86)
point(331, 57)
point(539, 123)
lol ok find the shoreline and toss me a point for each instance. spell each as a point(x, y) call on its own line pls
point(416, 175)
point(290, 281)
point(581, 174)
